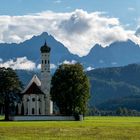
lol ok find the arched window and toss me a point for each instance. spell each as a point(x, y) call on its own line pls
point(48, 62)
point(42, 61)
point(45, 61)
point(39, 111)
point(22, 109)
point(33, 99)
point(33, 111)
point(27, 111)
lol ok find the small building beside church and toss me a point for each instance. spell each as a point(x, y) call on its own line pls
point(36, 96)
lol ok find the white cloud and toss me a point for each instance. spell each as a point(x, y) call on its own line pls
point(20, 63)
point(89, 68)
point(52, 66)
point(68, 62)
point(79, 30)
point(39, 66)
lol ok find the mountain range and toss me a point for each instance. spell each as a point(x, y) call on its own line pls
point(31, 49)
point(116, 54)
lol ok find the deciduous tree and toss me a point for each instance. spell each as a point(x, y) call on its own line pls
point(70, 89)
point(10, 87)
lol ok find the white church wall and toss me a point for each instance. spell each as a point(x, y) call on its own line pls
point(42, 105)
point(34, 104)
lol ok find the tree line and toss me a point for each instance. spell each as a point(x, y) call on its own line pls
point(121, 111)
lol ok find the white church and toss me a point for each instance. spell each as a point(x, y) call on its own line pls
point(36, 96)
point(36, 102)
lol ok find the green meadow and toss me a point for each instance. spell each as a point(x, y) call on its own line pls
point(100, 128)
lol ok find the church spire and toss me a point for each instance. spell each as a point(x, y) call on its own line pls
point(45, 48)
point(45, 44)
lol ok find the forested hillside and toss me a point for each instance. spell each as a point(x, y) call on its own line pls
point(116, 87)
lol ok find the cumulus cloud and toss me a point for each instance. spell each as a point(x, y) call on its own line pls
point(21, 63)
point(79, 30)
point(39, 66)
point(68, 62)
point(89, 68)
point(52, 66)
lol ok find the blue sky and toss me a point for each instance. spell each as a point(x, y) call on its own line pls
point(127, 11)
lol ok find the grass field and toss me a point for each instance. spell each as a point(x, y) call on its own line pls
point(100, 128)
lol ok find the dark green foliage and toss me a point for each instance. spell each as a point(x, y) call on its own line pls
point(70, 89)
point(121, 111)
point(10, 87)
point(128, 74)
point(16, 110)
point(116, 87)
point(126, 112)
point(94, 112)
point(130, 102)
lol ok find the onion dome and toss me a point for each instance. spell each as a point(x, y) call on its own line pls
point(45, 48)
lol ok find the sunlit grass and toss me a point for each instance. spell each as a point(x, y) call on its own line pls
point(119, 128)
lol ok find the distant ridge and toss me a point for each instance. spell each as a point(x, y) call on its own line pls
point(116, 54)
point(115, 87)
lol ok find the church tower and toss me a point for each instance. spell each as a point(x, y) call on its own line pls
point(46, 77)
